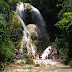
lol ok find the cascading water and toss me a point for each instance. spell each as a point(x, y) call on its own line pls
point(39, 21)
point(26, 33)
point(40, 24)
point(26, 37)
point(46, 52)
point(33, 52)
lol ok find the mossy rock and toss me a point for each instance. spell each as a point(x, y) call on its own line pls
point(40, 43)
point(29, 61)
point(16, 29)
point(37, 65)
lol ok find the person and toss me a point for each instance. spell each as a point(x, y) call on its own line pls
point(14, 55)
point(20, 56)
point(39, 55)
point(51, 51)
point(57, 54)
point(49, 54)
point(31, 56)
point(46, 57)
point(53, 56)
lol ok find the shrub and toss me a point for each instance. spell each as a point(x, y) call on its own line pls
point(29, 67)
point(1, 67)
point(6, 46)
point(29, 61)
point(15, 30)
point(5, 9)
point(70, 63)
point(37, 65)
point(24, 58)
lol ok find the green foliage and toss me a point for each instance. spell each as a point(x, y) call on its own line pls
point(29, 61)
point(4, 33)
point(5, 9)
point(16, 30)
point(66, 22)
point(1, 67)
point(67, 7)
point(6, 52)
point(29, 67)
point(40, 43)
point(11, 3)
point(6, 46)
point(24, 58)
point(64, 41)
point(70, 63)
point(37, 65)
point(25, 1)
point(62, 47)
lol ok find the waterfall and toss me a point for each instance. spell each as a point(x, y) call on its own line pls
point(33, 52)
point(26, 37)
point(20, 10)
point(26, 34)
point(46, 52)
point(36, 18)
point(39, 21)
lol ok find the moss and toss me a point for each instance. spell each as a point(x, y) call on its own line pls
point(29, 67)
point(37, 65)
point(40, 43)
point(16, 30)
point(29, 61)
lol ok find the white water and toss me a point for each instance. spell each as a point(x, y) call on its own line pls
point(20, 10)
point(40, 27)
point(26, 33)
point(33, 52)
point(26, 37)
point(46, 52)
point(39, 21)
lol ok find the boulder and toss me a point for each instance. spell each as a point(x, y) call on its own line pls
point(32, 29)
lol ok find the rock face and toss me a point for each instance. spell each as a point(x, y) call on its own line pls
point(32, 29)
point(16, 29)
point(31, 15)
point(28, 30)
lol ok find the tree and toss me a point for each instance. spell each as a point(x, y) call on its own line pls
point(64, 42)
point(66, 7)
point(5, 9)
point(6, 46)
